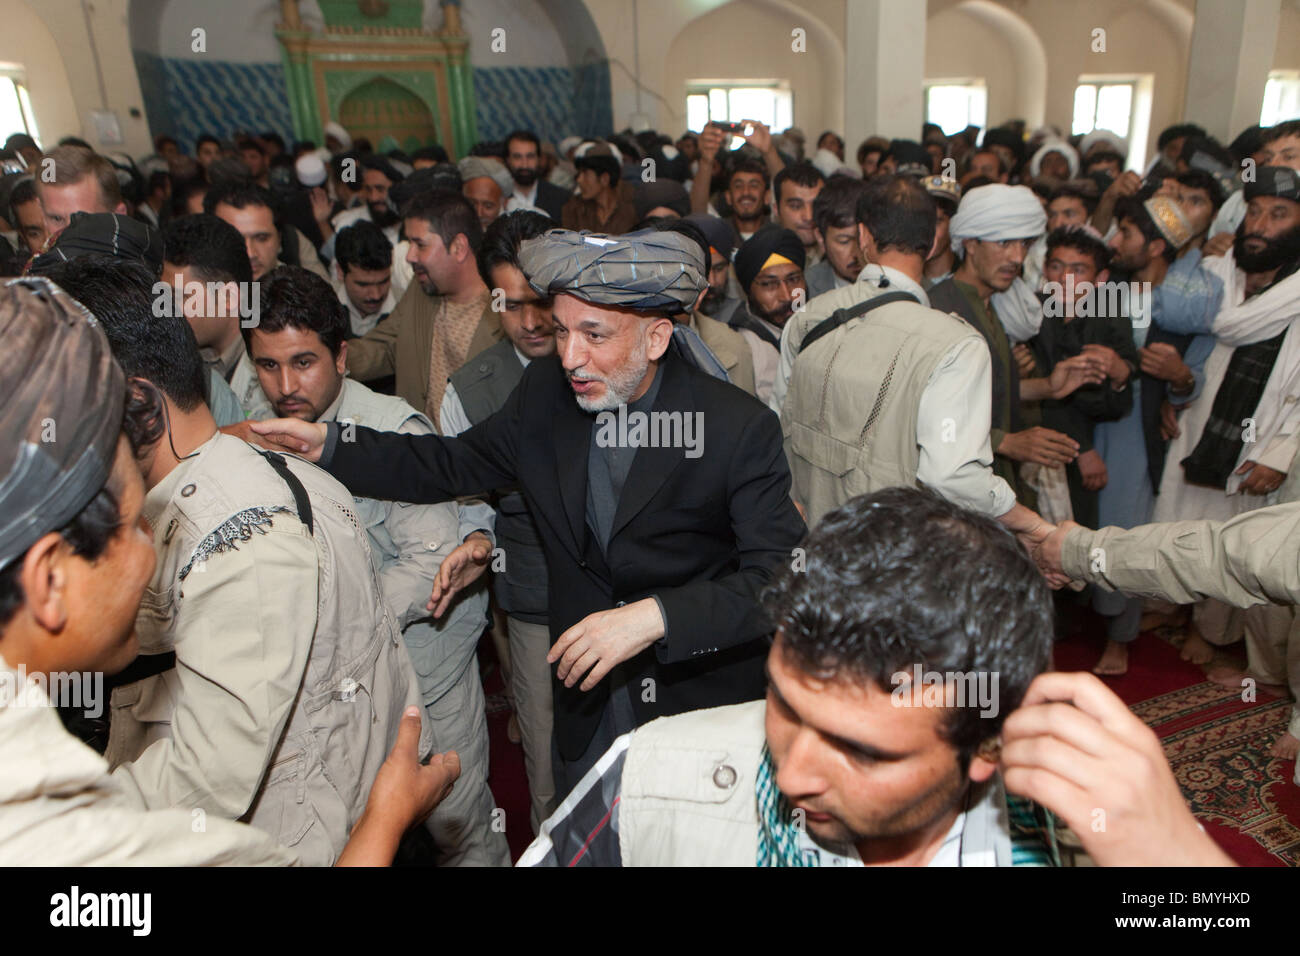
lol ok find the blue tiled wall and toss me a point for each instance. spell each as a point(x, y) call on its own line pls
point(187, 97)
point(552, 101)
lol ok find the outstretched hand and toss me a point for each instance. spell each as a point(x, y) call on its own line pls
point(458, 571)
point(292, 435)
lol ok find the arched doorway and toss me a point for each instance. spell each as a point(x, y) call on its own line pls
point(389, 115)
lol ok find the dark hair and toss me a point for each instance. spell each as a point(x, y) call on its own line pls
point(24, 191)
point(526, 135)
point(162, 140)
point(801, 174)
point(1103, 156)
point(902, 577)
point(159, 349)
point(1072, 237)
point(501, 241)
point(293, 297)
point(249, 143)
point(975, 182)
point(1073, 190)
point(206, 138)
point(239, 195)
point(1210, 147)
point(690, 231)
point(898, 213)
point(1131, 208)
point(872, 144)
point(836, 206)
point(448, 213)
point(158, 179)
point(183, 189)
point(606, 166)
point(76, 141)
point(989, 150)
point(1281, 130)
point(273, 137)
point(1200, 179)
point(210, 246)
point(434, 152)
point(747, 164)
point(364, 245)
point(1176, 131)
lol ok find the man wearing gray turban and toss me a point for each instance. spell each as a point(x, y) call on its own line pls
point(661, 493)
point(991, 232)
point(74, 567)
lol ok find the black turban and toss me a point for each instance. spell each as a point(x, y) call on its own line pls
point(771, 239)
point(108, 234)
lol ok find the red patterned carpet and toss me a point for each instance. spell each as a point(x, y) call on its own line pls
point(1217, 745)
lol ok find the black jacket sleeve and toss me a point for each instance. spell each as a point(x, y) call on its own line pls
point(425, 469)
point(706, 616)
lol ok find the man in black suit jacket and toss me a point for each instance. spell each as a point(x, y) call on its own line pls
point(662, 494)
point(523, 159)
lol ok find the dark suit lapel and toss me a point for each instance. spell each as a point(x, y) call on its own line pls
point(572, 442)
point(652, 467)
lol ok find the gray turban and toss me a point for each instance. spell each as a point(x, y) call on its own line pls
point(61, 400)
point(475, 167)
point(651, 270)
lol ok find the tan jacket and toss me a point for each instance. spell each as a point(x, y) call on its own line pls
point(729, 347)
point(1252, 559)
point(401, 344)
point(59, 806)
point(851, 407)
point(290, 677)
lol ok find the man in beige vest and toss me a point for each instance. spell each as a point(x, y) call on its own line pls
point(75, 565)
point(907, 722)
point(273, 676)
point(433, 329)
point(883, 390)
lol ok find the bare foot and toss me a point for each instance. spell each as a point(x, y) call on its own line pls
point(1114, 660)
point(1153, 620)
point(1233, 678)
point(1285, 747)
point(1196, 649)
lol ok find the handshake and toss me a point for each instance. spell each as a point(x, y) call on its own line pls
point(1045, 543)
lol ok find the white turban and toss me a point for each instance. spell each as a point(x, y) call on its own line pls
point(337, 131)
point(997, 212)
point(1055, 146)
point(1103, 136)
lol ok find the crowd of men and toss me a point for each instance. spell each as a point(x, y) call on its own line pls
point(728, 443)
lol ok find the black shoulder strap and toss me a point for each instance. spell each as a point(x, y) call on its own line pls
point(299, 493)
point(837, 318)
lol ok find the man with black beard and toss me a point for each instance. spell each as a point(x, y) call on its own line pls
point(1240, 435)
point(770, 270)
point(523, 159)
point(378, 176)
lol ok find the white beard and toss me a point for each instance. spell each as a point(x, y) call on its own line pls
point(621, 385)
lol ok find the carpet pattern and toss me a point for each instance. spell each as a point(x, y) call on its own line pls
point(1217, 745)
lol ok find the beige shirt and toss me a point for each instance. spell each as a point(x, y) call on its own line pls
point(59, 805)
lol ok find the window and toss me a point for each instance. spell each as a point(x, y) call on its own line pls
point(768, 101)
point(955, 104)
point(1281, 98)
point(15, 108)
point(1106, 106)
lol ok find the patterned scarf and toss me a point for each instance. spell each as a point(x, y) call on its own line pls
point(1032, 829)
point(1215, 456)
point(778, 838)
